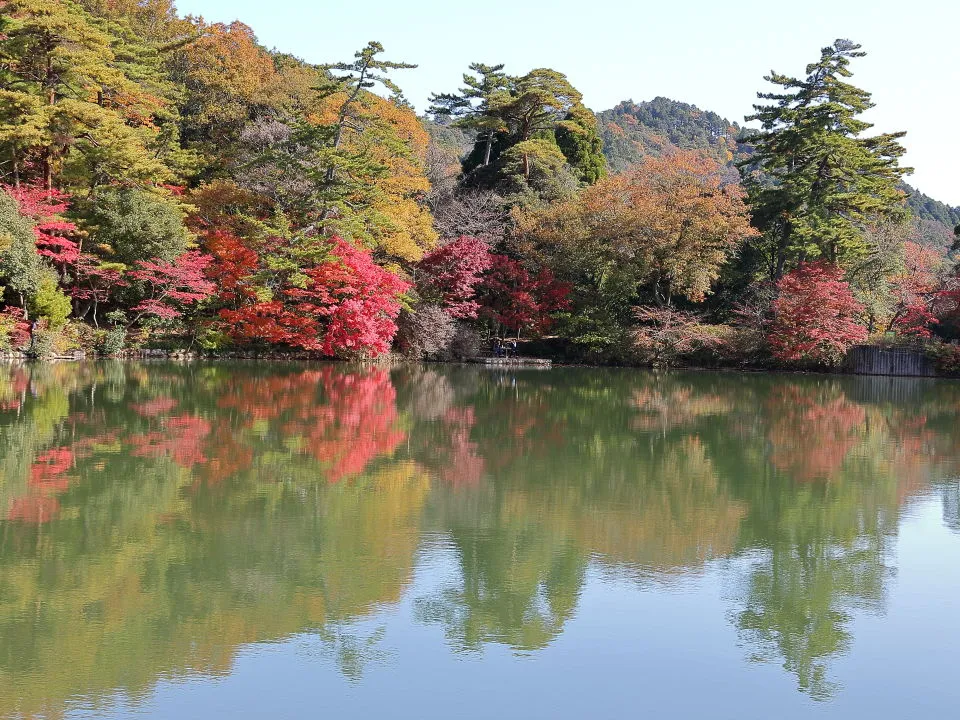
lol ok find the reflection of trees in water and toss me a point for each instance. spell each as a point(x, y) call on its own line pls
point(798, 606)
point(517, 587)
point(161, 516)
point(184, 529)
point(823, 562)
point(951, 505)
point(351, 650)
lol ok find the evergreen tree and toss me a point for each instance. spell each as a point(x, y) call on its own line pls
point(69, 107)
point(471, 108)
point(21, 268)
point(815, 181)
point(524, 125)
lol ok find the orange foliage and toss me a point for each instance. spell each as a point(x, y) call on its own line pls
point(811, 435)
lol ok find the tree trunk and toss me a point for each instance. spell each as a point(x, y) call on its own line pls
point(16, 166)
point(48, 154)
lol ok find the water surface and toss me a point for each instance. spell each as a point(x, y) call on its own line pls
point(264, 540)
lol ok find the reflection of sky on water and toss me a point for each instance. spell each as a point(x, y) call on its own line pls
point(663, 650)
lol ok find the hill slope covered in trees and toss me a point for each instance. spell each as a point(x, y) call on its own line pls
point(170, 182)
point(632, 131)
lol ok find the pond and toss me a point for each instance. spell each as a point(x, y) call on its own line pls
point(245, 540)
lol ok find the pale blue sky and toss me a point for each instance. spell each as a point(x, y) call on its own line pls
point(709, 53)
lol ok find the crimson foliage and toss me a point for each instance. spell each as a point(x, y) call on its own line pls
point(347, 305)
point(815, 315)
point(451, 273)
point(513, 297)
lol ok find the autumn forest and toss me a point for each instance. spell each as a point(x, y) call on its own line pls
point(170, 183)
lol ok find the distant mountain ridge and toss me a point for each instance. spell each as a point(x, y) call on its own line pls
point(632, 130)
point(926, 208)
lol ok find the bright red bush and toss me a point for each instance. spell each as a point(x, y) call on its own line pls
point(816, 317)
point(451, 273)
point(348, 306)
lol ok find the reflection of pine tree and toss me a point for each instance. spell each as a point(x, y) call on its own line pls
point(951, 505)
point(826, 548)
point(520, 584)
point(800, 600)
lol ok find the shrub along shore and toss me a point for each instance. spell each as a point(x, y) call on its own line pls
point(170, 185)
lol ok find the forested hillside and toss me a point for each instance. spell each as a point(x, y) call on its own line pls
point(926, 208)
point(632, 131)
point(168, 182)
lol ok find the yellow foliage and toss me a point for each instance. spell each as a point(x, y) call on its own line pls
point(393, 137)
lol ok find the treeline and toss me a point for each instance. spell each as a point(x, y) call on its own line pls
point(169, 182)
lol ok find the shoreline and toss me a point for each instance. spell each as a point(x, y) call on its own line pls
point(396, 360)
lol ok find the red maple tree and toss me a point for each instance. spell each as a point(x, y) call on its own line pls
point(53, 233)
point(451, 273)
point(511, 296)
point(171, 286)
point(348, 305)
point(816, 317)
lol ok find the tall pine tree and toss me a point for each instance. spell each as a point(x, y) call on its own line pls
point(815, 181)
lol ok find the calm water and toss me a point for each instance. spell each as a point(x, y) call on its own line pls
point(240, 541)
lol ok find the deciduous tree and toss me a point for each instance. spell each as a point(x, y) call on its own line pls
point(816, 317)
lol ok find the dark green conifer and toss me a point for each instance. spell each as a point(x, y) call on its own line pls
point(815, 181)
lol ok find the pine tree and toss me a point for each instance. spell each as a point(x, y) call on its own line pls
point(815, 181)
point(69, 106)
point(537, 118)
point(471, 107)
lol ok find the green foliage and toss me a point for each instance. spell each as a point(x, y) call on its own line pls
point(213, 339)
point(509, 113)
point(815, 181)
point(131, 225)
point(582, 146)
point(112, 341)
point(83, 109)
point(926, 208)
point(42, 343)
point(49, 303)
point(7, 330)
point(21, 268)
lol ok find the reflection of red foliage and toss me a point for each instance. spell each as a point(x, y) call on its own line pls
point(912, 448)
point(226, 456)
point(812, 435)
point(352, 424)
point(35, 509)
point(461, 465)
point(155, 406)
point(358, 425)
point(47, 471)
point(181, 440)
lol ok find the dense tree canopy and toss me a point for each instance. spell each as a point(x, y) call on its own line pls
point(170, 181)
